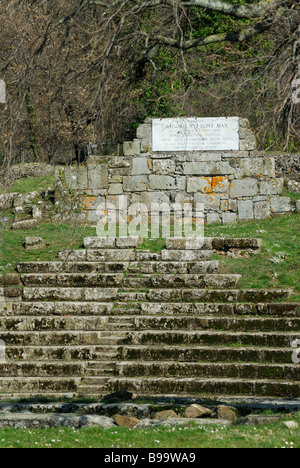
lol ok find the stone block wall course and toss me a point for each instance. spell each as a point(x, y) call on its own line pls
point(233, 185)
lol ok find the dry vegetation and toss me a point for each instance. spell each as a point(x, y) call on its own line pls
point(84, 70)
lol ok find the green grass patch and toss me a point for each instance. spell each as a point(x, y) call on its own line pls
point(274, 435)
point(277, 265)
point(33, 184)
point(293, 196)
point(57, 237)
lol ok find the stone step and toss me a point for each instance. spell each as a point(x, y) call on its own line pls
point(210, 266)
point(195, 387)
point(63, 338)
point(184, 243)
point(185, 255)
point(245, 324)
point(97, 255)
point(153, 295)
point(39, 385)
point(95, 381)
point(130, 255)
point(143, 322)
point(183, 337)
point(27, 420)
point(106, 280)
point(70, 353)
point(230, 295)
point(43, 369)
point(216, 243)
point(219, 309)
point(93, 391)
point(112, 242)
point(71, 294)
point(209, 370)
point(210, 338)
point(75, 323)
point(217, 354)
point(27, 395)
point(118, 309)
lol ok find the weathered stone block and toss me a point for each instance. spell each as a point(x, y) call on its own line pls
point(146, 145)
point(34, 243)
point(76, 177)
point(229, 205)
point(131, 148)
point(211, 201)
point(26, 224)
point(158, 182)
point(236, 155)
point(220, 184)
point(207, 168)
point(247, 140)
point(164, 167)
point(149, 198)
point(115, 189)
point(140, 166)
point(199, 184)
point(99, 242)
point(280, 204)
point(185, 243)
point(229, 218)
point(21, 199)
point(135, 183)
point(118, 163)
point(298, 206)
point(213, 218)
point(128, 242)
point(144, 131)
point(258, 167)
point(293, 186)
point(243, 188)
point(245, 209)
point(262, 210)
point(271, 187)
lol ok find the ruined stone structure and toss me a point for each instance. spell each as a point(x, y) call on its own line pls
point(234, 185)
point(113, 316)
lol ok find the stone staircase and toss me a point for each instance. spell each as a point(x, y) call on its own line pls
point(112, 316)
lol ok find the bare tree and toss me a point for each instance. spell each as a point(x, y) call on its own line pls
point(83, 69)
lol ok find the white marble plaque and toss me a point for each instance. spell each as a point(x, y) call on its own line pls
point(195, 134)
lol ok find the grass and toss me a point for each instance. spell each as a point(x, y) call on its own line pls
point(293, 196)
point(274, 435)
point(281, 243)
point(57, 237)
point(276, 266)
point(33, 184)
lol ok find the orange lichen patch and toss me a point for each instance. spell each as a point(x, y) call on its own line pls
point(88, 201)
point(218, 183)
point(260, 175)
point(209, 187)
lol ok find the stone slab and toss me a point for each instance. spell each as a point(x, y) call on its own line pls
point(194, 134)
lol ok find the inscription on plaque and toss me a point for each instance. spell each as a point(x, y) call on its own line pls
point(195, 134)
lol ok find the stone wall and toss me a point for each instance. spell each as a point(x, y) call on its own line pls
point(287, 165)
point(20, 171)
point(233, 185)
